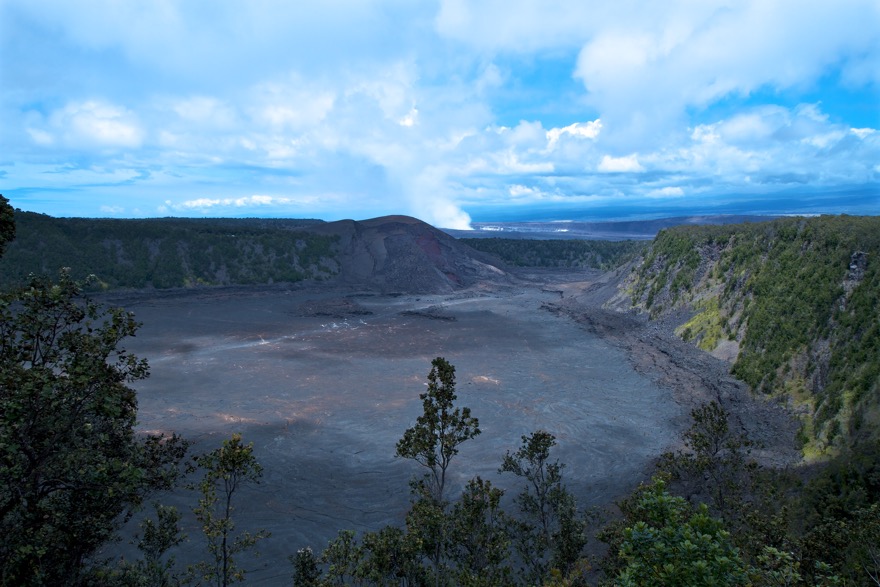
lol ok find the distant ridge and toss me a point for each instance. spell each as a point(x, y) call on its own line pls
point(392, 253)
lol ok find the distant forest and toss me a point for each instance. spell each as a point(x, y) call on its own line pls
point(168, 252)
point(164, 253)
point(591, 254)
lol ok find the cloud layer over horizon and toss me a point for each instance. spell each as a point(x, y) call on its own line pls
point(443, 110)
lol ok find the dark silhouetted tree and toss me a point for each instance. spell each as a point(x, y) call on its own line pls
point(7, 223)
point(71, 467)
point(716, 460)
point(550, 533)
point(479, 543)
point(441, 428)
point(226, 469)
point(433, 442)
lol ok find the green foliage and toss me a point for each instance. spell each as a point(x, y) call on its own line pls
point(168, 252)
point(715, 460)
point(7, 223)
point(823, 534)
point(706, 328)
point(390, 556)
point(479, 542)
point(559, 253)
point(228, 469)
point(675, 252)
point(342, 557)
point(670, 544)
point(156, 567)
point(428, 526)
point(801, 297)
point(433, 442)
point(550, 533)
point(305, 568)
point(837, 515)
point(71, 467)
point(441, 428)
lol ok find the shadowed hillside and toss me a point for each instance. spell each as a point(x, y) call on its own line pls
point(167, 252)
point(792, 304)
point(569, 253)
point(400, 253)
point(394, 253)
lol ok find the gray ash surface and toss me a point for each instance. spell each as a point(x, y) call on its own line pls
point(324, 381)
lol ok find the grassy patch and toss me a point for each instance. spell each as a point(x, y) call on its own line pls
point(706, 327)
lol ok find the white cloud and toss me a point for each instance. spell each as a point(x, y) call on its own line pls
point(862, 132)
point(100, 123)
point(666, 192)
point(522, 26)
point(627, 164)
point(289, 106)
point(588, 130)
point(519, 191)
point(91, 123)
point(510, 162)
point(243, 202)
point(40, 137)
point(205, 110)
point(410, 118)
point(643, 77)
point(381, 106)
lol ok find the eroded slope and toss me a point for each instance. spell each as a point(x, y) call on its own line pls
point(792, 304)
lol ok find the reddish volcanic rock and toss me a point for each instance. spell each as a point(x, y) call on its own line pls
point(404, 254)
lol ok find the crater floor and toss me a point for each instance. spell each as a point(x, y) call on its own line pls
point(324, 383)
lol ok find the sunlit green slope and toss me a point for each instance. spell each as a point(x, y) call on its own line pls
point(793, 303)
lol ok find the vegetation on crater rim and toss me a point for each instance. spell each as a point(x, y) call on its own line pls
point(73, 469)
point(587, 254)
point(168, 252)
point(798, 300)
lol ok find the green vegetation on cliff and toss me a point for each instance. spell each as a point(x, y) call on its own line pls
point(797, 300)
point(167, 252)
point(558, 253)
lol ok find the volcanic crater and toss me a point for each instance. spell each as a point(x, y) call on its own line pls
point(325, 377)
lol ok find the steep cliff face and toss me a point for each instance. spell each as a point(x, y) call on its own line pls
point(792, 304)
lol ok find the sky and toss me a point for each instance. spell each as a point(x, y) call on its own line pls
point(452, 111)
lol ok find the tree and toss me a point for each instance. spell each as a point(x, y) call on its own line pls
point(673, 545)
point(715, 460)
point(551, 533)
point(228, 468)
point(479, 543)
point(72, 468)
point(342, 557)
point(305, 568)
point(390, 556)
point(441, 428)
point(428, 527)
point(156, 567)
point(7, 223)
point(157, 539)
point(432, 443)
